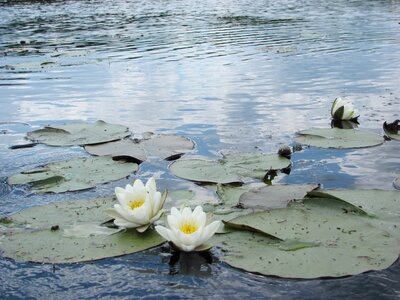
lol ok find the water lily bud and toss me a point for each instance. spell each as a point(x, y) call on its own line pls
point(343, 110)
point(188, 230)
point(139, 205)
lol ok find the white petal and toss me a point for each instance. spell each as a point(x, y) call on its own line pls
point(187, 248)
point(141, 214)
point(156, 217)
point(164, 232)
point(112, 213)
point(125, 224)
point(142, 228)
point(173, 222)
point(199, 216)
point(156, 203)
point(186, 213)
point(124, 213)
point(209, 231)
point(121, 195)
point(189, 239)
point(151, 187)
point(176, 213)
point(138, 185)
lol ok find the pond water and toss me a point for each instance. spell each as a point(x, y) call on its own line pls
point(231, 75)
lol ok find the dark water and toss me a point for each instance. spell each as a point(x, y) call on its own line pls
point(232, 75)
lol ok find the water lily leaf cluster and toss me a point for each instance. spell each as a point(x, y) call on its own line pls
point(229, 169)
point(338, 138)
point(317, 237)
point(99, 139)
point(75, 174)
point(70, 231)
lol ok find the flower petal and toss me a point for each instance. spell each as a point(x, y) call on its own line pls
point(125, 224)
point(164, 232)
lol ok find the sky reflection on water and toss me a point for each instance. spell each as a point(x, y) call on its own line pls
point(231, 75)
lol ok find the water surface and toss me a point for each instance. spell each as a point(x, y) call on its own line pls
point(231, 75)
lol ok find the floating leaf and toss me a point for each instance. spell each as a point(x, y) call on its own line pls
point(293, 245)
point(338, 138)
point(75, 174)
point(79, 134)
point(37, 234)
point(230, 194)
point(85, 230)
point(274, 196)
point(166, 146)
point(379, 203)
point(122, 148)
point(343, 245)
point(382, 206)
point(392, 130)
point(231, 168)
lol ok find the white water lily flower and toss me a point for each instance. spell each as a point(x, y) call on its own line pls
point(343, 110)
point(139, 205)
point(187, 229)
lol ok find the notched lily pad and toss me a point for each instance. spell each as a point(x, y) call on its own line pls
point(275, 196)
point(30, 235)
point(382, 206)
point(392, 130)
point(79, 134)
point(168, 147)
point(338, 138)
point(229, 169)
point(118, 149)
point(330, 243)
point(75, 174)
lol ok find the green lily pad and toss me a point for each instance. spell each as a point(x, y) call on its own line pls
point(274, 196)
point(230, 194)
point(329, 242)
point(79, 134)
point(230, 169)
point(75, 174)
point(40, 234)
point(338, 138)
point(166, 146)
point(392, 130)
point(382, 206)
point(117, 149)
point(376, 203)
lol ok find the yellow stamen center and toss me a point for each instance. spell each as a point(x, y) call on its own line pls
point(188, 228)
point(136, 203)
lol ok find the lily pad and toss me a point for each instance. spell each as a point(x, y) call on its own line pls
point(79, 134)
point(38, 234)
point(75, 174)
point(376, 203)
point(338, 138)
point(392, 130)
point(230, 169)
point(166, 146)
point(274, 196)
point(118, 149)
point(382, 206)
point(330, 243)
